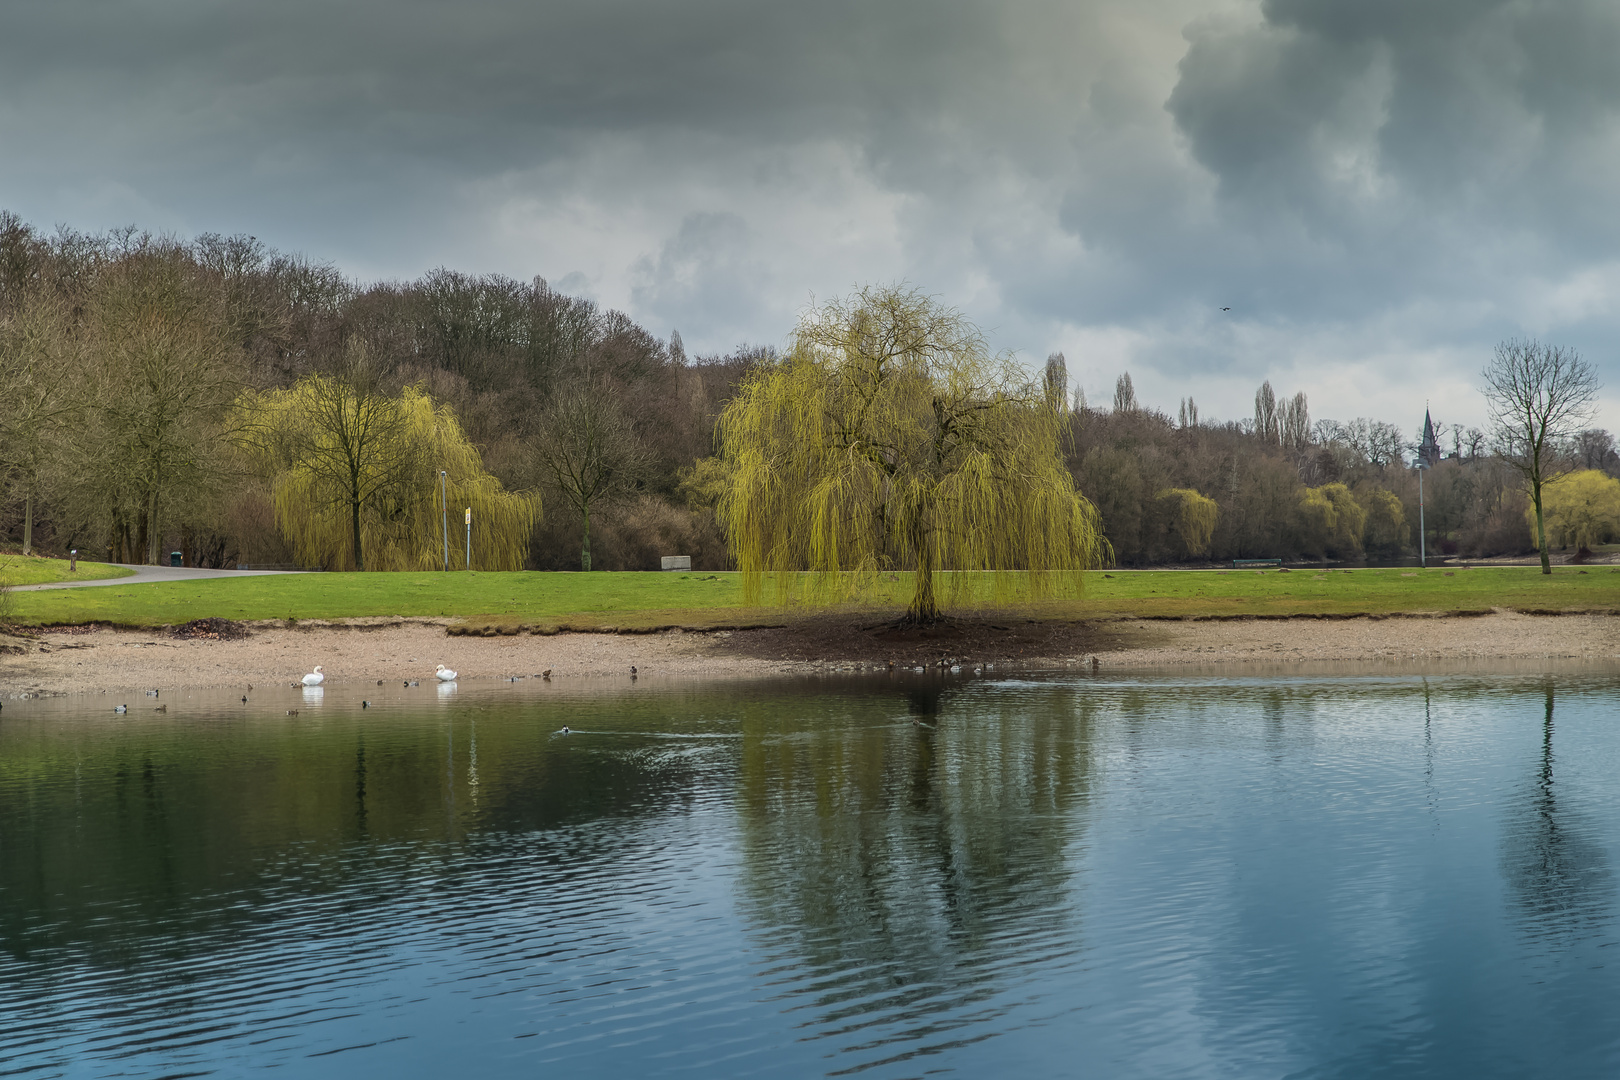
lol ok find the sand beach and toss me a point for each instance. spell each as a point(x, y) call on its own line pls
point(85, 660)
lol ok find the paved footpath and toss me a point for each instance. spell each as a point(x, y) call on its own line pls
point(146, 575)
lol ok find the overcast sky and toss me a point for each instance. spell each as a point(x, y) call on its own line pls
point(1379, 190)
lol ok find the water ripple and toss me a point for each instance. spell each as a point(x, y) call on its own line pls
point(1201, 878)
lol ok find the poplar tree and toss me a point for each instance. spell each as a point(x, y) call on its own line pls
point(892, 438)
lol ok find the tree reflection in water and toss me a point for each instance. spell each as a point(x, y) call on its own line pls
point(1557, 874)
point(905, 872)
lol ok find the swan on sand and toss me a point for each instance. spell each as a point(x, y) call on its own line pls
point(445, 674)
point(314, 678)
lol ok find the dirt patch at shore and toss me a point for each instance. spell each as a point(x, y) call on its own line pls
point(1140, 643)
point(843, 638)
point(91, 659)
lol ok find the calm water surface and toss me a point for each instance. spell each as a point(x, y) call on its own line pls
point(1290, 877)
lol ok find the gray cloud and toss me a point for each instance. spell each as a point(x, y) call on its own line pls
point(1379, 189)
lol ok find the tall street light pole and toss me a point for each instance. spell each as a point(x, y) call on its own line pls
point(1423, 538)
point(444, 518)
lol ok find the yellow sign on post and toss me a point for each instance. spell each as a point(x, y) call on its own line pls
point(469, 515)
point(469, 538)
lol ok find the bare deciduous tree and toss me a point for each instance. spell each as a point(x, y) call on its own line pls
point(35, 368)
point(588, 451)
point(1539, 396)
point(1595, 449)
point(1385, 444)
point(162, 372)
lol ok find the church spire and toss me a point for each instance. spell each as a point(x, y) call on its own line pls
point(1429, 448)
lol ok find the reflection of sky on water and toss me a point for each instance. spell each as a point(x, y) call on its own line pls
point(1323, 877)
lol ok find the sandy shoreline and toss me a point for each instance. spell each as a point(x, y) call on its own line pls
point(73, 662)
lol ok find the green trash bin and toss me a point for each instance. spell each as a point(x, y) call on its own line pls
point(177, 558)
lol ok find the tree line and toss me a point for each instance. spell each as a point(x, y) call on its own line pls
point(1282, 485)
point(243, 405)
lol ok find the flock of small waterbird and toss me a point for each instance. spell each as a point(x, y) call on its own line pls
point(317, 676)
point(445, 675)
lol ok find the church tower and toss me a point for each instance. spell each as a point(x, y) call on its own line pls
point(1429, 448)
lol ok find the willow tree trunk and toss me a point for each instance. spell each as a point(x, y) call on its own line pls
point(924, 607)
point(585, 551)
point(28, 523)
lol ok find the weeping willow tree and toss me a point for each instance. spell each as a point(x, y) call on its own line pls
point(891, 438)
point(355, 479)
point(1193, 516)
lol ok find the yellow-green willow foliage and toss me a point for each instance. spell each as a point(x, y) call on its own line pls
point(355, 480)
point(1581, 509)
point(891, 438)
point(1193, 517)
point(1385, 531)
point(1329, 521)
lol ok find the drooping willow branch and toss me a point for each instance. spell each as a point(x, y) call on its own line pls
point(891, 438)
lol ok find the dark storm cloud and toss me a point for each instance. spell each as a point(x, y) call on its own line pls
point(476, 84)
point(1358, 121)
point(1437, 171)
point(1374, 187)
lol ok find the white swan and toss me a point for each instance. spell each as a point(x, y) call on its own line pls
point(445, 674)
point(314, 678)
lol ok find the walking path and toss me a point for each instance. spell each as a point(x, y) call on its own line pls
point(146, 575)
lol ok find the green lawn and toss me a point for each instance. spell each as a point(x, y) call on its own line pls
point(652, 599)
point(35, 570)
point(1173, 593)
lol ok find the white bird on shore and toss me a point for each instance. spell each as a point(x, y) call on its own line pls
point(314, 678)
point(445, 674)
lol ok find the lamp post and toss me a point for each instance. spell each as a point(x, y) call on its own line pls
point(1423, 537)
point(444, 518)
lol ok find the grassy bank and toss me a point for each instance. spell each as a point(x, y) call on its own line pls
point(35, 570)
point(653, 599)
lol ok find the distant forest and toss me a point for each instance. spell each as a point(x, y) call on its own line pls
point(125, 359)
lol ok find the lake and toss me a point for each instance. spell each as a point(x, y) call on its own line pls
point(1192, 876)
